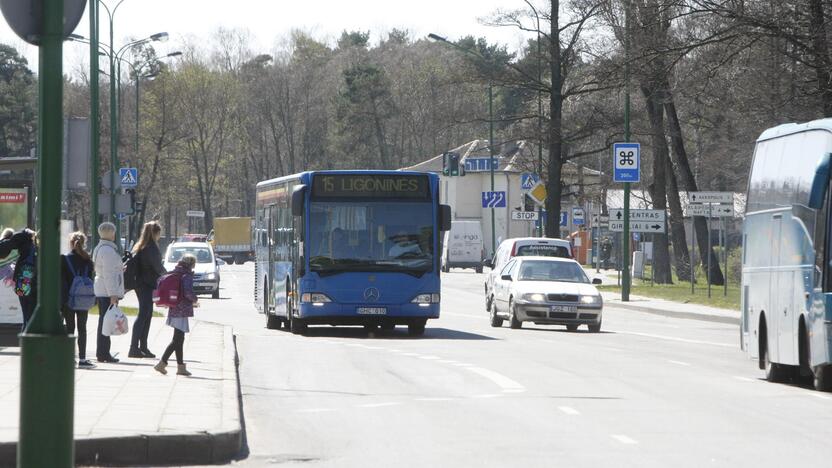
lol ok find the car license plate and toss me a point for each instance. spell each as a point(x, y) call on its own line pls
point(203, 285)
point(372, 311)
point(563, 308)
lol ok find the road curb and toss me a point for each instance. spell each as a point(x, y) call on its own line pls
point(193, 448)
point(675, 314)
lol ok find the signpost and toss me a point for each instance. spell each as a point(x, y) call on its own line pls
point(712, 205)
point(481, 164)
point(617, 214)
point(525, 215)
point(711, 197)
point(538, 193)
point(654, 227)
point(578, 217)
point(627, 159)
point(626, 169)
point(493, 199)
point(195, 214)
point(527, 181)
point(129, 177)
point(564, 218)
point(711, 211)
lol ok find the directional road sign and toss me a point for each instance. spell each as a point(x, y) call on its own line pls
point(714, 211)
point(564, 218)
point(524, 215)
point(627, 162)
point(600, 219)
point(658, 216)
point(711, 197)
point(578, 218)
point(528, 180)
point(129, 177)
point(481, 164)
point(195, 214)
point(656, 227)
point(493, 199)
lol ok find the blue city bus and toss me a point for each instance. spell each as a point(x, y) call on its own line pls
point(349, 248)
point(786, 272)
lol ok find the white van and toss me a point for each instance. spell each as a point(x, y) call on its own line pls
point(463, 246)
point(523, 247)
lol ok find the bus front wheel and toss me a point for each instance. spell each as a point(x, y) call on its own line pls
point(823, 378)
point(416, 329)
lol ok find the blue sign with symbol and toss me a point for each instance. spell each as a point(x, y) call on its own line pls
point(481, 164)
point(528, 180)
point(493, 199)
point(627, 162)
point(564, 218)
point(578, 217)
point(129, 177)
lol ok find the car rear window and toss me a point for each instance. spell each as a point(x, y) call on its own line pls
point(542, 250)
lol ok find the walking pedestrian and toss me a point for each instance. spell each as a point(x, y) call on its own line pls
point(179, 314)
point(109, 284)
point(25, 269)
point(150, 268)
point(74, 264)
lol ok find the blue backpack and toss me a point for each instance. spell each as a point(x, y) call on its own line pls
point(81, 291)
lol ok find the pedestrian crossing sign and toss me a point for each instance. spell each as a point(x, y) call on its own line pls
point(528, 181)
point(129, 177)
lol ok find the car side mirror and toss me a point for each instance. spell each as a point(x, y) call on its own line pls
point(506, 277)
point(597, 281)
point(298, 197)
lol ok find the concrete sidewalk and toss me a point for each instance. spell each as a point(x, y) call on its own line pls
point(662, 306)
point(128, 414)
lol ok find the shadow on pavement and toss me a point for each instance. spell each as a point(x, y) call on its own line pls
point(399, 333)
point(581, 331)
point(8, 352)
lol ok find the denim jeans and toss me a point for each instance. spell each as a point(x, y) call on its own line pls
point(141, 327)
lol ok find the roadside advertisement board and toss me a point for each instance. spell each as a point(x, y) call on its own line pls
point(14, 214)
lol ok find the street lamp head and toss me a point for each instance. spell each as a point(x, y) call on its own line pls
point(76, 37)
point(159, 37)
point(436, 37)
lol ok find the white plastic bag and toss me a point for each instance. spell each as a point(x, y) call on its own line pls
point(115, 322)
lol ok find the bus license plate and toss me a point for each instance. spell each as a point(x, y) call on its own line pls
point(372, 311)
point(563, 308)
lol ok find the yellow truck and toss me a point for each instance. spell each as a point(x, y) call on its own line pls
point(231, 240)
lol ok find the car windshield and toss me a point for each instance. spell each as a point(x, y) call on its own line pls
point(542, 270)
point(374, 236)
point(202, 254)
point(542, 250)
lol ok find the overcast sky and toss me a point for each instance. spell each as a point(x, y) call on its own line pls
point(269, 20)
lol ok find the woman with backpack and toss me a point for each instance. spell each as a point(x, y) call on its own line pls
point(109, 284)
point(179, 314)
point(25, 270)
point(77, 292)
point(149, 263)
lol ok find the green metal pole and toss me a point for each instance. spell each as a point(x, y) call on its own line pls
point(625, 284)
point(95, 122)
point(47, 365)
point(539, 122)
point(491, 164)
point(113, 136)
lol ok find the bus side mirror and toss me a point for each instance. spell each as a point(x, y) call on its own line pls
point(444, 218)
point(297, 200)
point(820, 183)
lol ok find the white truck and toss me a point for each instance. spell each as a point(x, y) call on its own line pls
point(463, 246)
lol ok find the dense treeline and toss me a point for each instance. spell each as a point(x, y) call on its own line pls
point(705, 76)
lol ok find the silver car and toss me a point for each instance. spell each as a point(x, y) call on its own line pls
point(546, 291)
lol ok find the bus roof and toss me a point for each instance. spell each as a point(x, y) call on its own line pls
point(301, 174)
point(792, 128)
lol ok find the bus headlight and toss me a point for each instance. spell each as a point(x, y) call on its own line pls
point(534, 297)
point(315, 297)
point(426, 299)
point(591, 300)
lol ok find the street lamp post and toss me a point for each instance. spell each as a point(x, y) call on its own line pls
point(95, 122)
point(539, 116)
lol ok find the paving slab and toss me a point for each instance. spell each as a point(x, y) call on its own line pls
point(128, 414)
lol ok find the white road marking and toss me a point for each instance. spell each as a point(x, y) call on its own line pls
point(429, 358)
point(569, 411)
point(673, 338)
point(315, 410)
point(820, 396)
point(447, 361)
point(624, 439)
point(462, 364)
point(679, 363)
point(434, 399)
point(410, 354)
point(478, 317)
point(486, 395)
point(502, 381)
point(378, 405)
point(743, 379)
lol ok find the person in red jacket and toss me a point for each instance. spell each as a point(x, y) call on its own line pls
point(179, 315)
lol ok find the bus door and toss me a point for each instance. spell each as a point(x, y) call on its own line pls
point(270, 258)
point(774, 314)
point(782, 290)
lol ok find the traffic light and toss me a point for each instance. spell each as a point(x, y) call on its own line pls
point(450, 164)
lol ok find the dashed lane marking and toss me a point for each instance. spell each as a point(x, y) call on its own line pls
point(434, 399)
point(624, 439)
point(315, 410)
point(430, 358)
point(505, 383)
point(743, 379)
point(486, 395)
point(378, 405)
point(679, 363)
point(568, 410)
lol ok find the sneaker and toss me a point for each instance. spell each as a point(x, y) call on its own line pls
point(146, 353)
point(135, 353)
point(110, 359)
point(85, 364)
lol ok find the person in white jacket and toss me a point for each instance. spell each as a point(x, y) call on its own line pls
point(109, 283)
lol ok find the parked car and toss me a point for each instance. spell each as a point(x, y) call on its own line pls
point(522, 247)
point(206, 271)
point(546, 291)
point(463, 246)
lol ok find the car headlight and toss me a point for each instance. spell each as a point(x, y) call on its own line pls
point(590, 300)
point(426, 299)
point(211, 276)
point(534, 297)
point(314, 297)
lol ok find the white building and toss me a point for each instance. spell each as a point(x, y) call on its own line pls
point(464, 193)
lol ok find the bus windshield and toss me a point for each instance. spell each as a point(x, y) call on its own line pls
point(371, 236)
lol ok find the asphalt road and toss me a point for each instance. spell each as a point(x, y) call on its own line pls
point(647, 392)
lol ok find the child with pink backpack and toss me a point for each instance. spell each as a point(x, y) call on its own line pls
point(180, 300)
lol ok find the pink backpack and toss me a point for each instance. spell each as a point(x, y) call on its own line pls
point(168, 290)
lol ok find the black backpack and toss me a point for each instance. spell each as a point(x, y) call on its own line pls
point(131, 270)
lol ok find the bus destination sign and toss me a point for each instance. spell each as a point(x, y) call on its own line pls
point(370, 186)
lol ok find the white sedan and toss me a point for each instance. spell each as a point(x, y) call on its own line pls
point(546, 291)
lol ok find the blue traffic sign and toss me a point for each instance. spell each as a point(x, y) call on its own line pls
point(481, 164)
point(564, 218)
point(493, 199)
point(578, 218)
point(627, 162)
point(528, 180)
point(129, 177)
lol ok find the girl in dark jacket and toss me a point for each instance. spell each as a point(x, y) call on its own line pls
point(25, 270)
point(82, 266)
point(179, 314)
point(149, 270)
